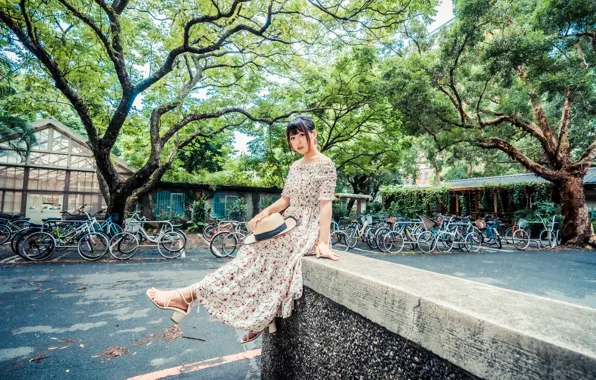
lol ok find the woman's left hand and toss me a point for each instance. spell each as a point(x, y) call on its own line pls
point(323, 250)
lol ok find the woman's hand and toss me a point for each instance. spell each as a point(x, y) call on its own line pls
point(323, 250)
point(254, 221)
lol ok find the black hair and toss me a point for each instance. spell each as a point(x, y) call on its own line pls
point(299, 124)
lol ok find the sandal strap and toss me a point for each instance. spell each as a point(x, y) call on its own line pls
point(184, 298)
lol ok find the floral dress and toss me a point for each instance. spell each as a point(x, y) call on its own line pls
point(265, 278)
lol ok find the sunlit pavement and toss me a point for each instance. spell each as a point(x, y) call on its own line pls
point(82, 320)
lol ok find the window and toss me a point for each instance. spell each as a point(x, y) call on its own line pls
point(12, 202)
point(11, 178)
point(168, 204)
point(426, 174)
point(48, 159)
point(80, 149)
point(91, 200)
point(41, 179)
point(10, 157)
point(42, 138)
point(222, 204)
point(81, 162)
point(81, 181)
point(60, 142)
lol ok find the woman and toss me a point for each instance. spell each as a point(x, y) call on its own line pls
point(265, 278)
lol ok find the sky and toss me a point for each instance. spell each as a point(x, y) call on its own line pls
point(444, 14)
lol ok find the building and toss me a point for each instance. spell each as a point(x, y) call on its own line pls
point(59, 174)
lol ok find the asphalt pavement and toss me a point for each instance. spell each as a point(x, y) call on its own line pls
point(68, 318)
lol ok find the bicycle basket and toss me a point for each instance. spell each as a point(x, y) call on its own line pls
point(427, 224)
point(480, 223)
point(132, 226)
point(391, 220)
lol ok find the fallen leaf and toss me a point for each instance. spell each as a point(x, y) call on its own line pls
point(37, 359)
point(82, 345)
point(172, 333)
point(66, 341)
point(112, 352)
point(52, 348)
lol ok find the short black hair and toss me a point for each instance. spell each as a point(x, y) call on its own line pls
point(299, 124)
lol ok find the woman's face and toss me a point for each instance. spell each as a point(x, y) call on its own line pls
point(300, 143)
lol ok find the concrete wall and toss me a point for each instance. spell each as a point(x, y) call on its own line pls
point(369, 319)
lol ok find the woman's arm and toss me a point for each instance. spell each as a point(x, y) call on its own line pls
point(326, 211)
point(322, 249)
point(279, 205)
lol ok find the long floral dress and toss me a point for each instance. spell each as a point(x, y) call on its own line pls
point(265, 278)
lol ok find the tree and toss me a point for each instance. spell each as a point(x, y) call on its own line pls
point(514, 76)
point(15, 131)
point(122, 65)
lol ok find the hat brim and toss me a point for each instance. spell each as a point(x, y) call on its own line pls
point(290, 224)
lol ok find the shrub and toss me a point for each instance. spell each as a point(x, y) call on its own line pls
point(238, 210)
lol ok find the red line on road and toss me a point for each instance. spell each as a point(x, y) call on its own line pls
point(192, 367)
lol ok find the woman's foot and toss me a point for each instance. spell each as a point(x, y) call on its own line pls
point(250, 337)
point(179, 298)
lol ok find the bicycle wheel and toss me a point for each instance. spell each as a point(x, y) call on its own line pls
point(232, 244)
point(380, 235)
point(371, 241)
point(171, 244)
point(393, 242)
point(209, 232)
point(217, 247)
point(508, 236)
point(339, 241)
point(5, 233)
point(19, 236)
point(426, 241)
point(38, 246)
point(444, 242)
point(352, 236)
point(473, 242)
point(521, 239)
point(124, 245)
point(498, 241)
point(546, 239)
point(93, 246)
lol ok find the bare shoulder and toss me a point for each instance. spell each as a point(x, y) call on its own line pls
point(326, 159)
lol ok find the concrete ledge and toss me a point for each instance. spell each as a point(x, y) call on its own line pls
point(491, 332)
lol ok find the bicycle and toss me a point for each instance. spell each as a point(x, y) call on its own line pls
point(170, 242)
point(91, 245)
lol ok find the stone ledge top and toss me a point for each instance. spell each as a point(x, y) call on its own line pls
point(392, 295)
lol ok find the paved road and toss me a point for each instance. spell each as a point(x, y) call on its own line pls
point(67, 313)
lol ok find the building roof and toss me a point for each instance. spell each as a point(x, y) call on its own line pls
point(353, 196)
point(45, 123)
point(589, 179)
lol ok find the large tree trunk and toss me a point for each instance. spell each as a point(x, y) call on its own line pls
point(577, 228)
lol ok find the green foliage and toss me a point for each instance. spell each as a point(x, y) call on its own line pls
point(172, 216)
point(266, 201)
point(412, 202)
point(199, 209)
point(238, 210)
point(339, 211)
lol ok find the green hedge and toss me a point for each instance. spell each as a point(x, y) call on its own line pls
point(412, 202)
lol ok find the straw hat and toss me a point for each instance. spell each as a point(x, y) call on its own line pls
point(270, 227)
